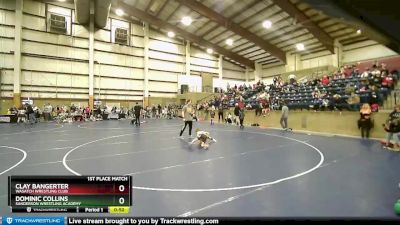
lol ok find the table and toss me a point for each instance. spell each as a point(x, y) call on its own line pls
point(8, 118)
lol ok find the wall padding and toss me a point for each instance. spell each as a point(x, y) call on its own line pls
point(164, 65)
point(163, 76)
point(34, 22)
point(54, 65)
point(116, 71)
point(55, 38)
point(53, 50)
point(118, 48)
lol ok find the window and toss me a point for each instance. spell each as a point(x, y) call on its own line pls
point(58, 24)
point(59, 19)
point(121, 36)
point(120, 32)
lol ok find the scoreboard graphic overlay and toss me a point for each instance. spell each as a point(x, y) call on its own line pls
point(83, 194)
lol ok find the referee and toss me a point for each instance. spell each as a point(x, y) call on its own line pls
point(187, 115)
point(137, 110)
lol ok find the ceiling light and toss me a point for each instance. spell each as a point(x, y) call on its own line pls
point(359, 31)
point(61, 0)
point(300, 46)
point(186, 20)
point(171, 34)
point(119, 12)
point(209, 50)
point(229, 41)
point(267, 24)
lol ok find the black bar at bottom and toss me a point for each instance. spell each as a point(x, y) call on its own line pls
point(210, 221)
point(93, 209)
point(44, 210)
point(59, 209)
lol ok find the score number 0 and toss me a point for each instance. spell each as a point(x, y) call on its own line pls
point(121, 200)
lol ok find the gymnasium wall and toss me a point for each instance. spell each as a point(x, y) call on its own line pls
point(7, 25)
point(318, 60)
point(56, 66)
point(273, 71)
point(166, 64)
point(366, 50)
point(231, 74)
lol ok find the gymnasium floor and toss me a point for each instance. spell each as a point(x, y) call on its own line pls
point(251, 172)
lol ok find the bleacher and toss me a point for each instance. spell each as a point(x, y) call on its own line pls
point(301, 96)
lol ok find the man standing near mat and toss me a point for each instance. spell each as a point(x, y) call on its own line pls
point(137, 110)
point(284, 117)
point(187, 115)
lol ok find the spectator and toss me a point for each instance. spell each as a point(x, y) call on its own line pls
point(236, 113)
point(212, 114)
point(353, 101)
point(229, 119)
point(241, 118)
point(365, 122)
point(258, 108)
point(220, 112)
point(388, 81)
point(366, 73)
point(284, 116)
point(30, 113)
point(266, 110)
point(325, 80)
point(392, 127)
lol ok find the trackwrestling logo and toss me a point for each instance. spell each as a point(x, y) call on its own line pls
point(33, 220)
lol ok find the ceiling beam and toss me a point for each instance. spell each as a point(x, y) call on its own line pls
point(134, 12)
point(243, 20)
point(240, 48)
point(348, 32)
point(269, 61)
point(261, 51)
point(306, 42)
point(255, 23)
point(149, 5)
point(316, 50)
point(339, 26)
point(198, 17)
point(54, 1)
point(162, 8)
point(274, 27)
point(281, 33)
point(236, 28)
point(353, 40)
point(230, 17)
point(310, 48)
point(312, 27)
point(258, 57)
point(269, 58)
point(289, 38)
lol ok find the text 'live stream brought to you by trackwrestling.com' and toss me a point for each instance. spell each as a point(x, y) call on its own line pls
point(32, 220)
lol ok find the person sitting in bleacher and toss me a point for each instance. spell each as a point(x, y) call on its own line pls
point(325, 80)
point(353, 102)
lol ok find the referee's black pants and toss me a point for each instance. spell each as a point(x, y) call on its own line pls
point(190, 123)
point(137, 119)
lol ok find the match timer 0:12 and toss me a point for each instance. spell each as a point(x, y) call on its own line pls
point(70, 193)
